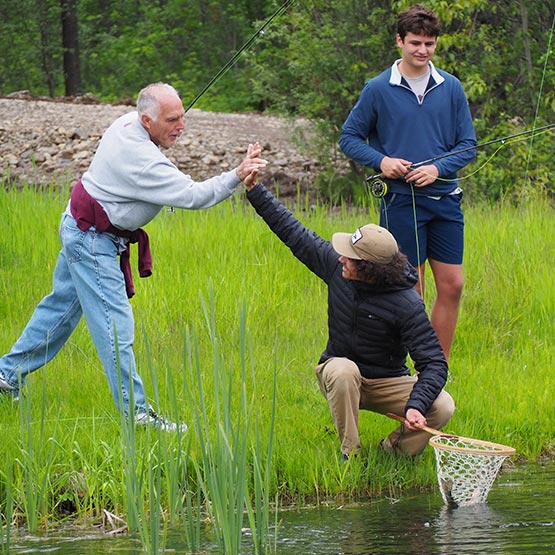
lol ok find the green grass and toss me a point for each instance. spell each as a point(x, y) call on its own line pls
point(225, 289)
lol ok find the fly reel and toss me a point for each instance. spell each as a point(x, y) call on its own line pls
point(377, 186)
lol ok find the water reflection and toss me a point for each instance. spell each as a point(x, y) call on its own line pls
point(519, 519)
point(473, 529)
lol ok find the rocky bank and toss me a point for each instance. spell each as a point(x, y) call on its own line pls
point(44, 141)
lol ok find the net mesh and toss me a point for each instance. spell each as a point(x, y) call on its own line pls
point(467, 468)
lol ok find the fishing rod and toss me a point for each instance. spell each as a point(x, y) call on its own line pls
point(245, 46)
point(378, 186)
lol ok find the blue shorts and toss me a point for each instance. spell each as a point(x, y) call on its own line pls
point(440, 224)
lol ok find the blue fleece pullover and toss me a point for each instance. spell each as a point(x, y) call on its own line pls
point(389, 120)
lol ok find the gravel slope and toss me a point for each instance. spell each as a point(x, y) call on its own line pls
point(43, 141)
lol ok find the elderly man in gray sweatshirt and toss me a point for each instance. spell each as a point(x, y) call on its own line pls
point(128, 182)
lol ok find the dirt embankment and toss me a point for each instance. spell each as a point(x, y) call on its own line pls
point(44, 141)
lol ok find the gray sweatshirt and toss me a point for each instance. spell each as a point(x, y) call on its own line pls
point(132, 179)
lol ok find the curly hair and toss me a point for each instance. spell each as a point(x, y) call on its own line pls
point(383, 275)
point(418, 20)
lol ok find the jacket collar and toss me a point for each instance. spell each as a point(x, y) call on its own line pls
point(396, 78)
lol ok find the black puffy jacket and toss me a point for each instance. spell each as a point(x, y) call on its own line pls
point(375, 328)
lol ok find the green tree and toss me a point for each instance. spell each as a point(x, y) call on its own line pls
point(186, 42)
point(124, 44)
point(28, 50)
point(70, 47)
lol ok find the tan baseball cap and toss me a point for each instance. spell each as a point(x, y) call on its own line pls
point(370, 242)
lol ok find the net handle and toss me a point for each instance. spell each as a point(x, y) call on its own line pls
point(490, 448)
point(423, 428)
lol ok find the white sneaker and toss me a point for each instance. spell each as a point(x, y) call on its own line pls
point(8, 390)
point(151, 418)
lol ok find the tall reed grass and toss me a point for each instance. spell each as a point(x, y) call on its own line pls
point(260, 431)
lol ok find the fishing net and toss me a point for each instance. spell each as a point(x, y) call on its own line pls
point(467, 468)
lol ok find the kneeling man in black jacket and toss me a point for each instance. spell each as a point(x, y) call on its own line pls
point(375, 319)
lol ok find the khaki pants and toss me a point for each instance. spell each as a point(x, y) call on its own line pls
point(348, 392)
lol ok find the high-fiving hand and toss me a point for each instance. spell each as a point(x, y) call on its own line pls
point(251, 165)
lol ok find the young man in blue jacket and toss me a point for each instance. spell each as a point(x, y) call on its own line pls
point(413, 113)
point(375, 319)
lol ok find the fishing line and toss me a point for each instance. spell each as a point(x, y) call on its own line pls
point(521, 135)
point(378, 186)
point(245, 46)
point(490, 158)
point(548, 51)
point(419, 268)
point(234, 58)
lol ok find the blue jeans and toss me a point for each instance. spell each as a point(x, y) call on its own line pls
point(87, 281)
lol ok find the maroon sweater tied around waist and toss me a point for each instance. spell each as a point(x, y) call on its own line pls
point(88, 213)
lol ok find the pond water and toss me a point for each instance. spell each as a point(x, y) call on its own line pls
point(519, 518)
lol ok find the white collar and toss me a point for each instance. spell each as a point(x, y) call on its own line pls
point(396, 77)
